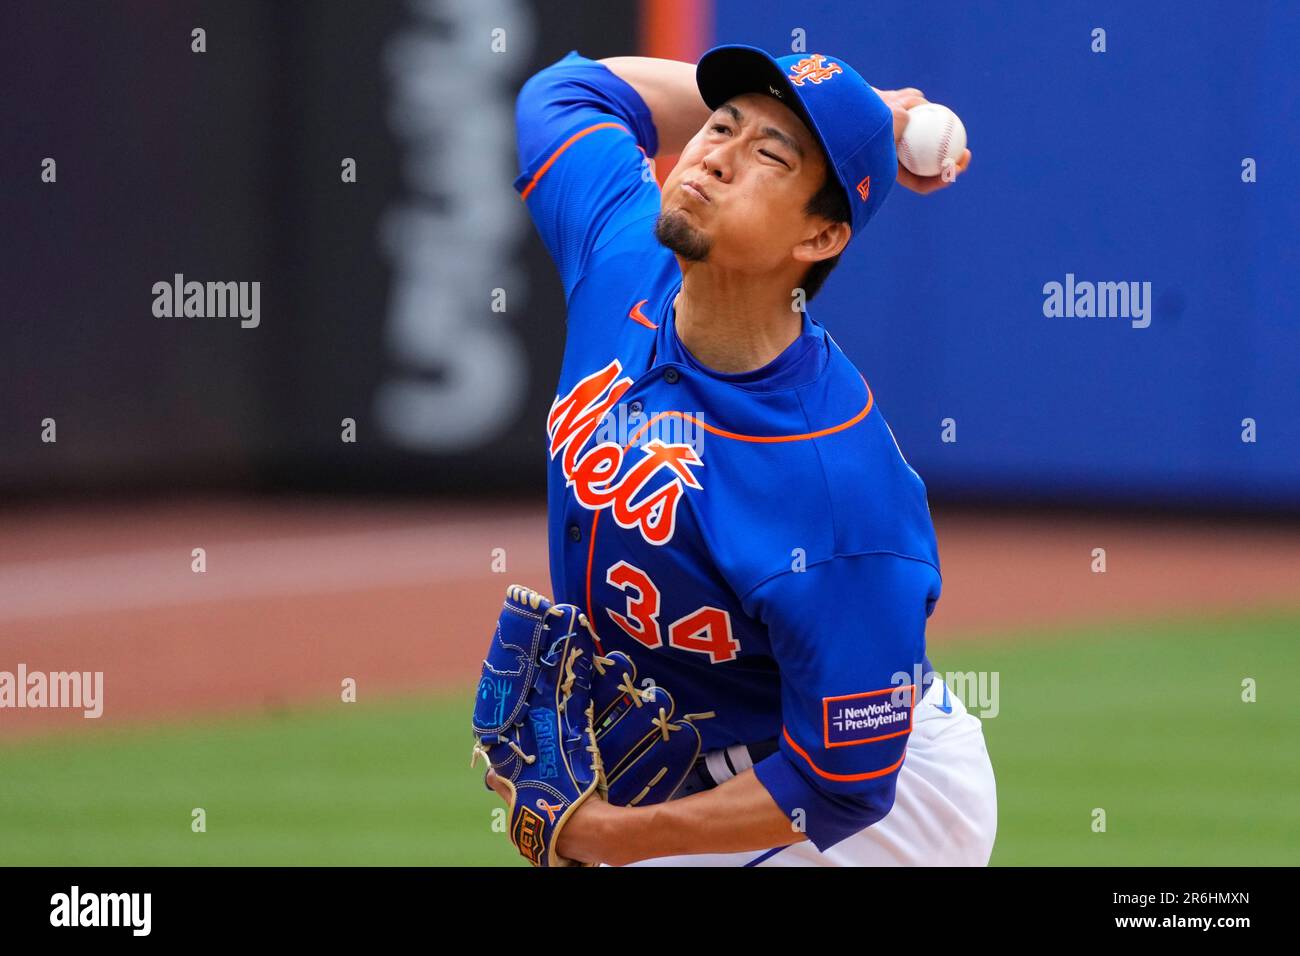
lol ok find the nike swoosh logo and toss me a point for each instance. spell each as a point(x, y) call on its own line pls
point(637, 316)
point(946, 706)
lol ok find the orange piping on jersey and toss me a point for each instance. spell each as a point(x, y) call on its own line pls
point(565, 145)
point(844, 777)
point(866, 410)
point(637, 316)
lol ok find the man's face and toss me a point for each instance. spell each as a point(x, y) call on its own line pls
point(759, 165)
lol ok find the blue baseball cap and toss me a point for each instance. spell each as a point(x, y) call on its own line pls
point(841, 110)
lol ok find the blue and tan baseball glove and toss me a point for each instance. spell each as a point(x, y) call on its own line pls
point(533, 719)
point(561, 724)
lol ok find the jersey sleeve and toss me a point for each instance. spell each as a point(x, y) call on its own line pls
point(584, 139)
point(848, 635)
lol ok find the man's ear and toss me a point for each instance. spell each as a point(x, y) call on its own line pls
point(828, 242)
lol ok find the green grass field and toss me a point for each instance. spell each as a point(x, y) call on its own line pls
point(1145, 721)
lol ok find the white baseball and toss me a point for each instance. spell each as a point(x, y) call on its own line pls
point(934, 137)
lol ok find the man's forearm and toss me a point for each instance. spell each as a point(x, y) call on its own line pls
point(669, 90)
point(737, 816)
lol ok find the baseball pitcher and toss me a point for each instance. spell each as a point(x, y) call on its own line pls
point(733, 668)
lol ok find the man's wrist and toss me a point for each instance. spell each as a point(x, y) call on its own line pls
point(592, 834)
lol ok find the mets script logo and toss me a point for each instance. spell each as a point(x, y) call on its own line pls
point(573, 420)
point(813, 68)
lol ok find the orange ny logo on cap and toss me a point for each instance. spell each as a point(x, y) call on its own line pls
point(864, 188)
point(812, 68)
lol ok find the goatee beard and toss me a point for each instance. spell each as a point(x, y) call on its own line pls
point(673, 231)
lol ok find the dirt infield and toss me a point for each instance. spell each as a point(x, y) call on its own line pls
point(297, 597)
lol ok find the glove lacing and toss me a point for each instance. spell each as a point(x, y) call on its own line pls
point(566, 692)
point(639, 697)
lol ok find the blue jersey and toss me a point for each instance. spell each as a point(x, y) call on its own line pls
point(756, 542)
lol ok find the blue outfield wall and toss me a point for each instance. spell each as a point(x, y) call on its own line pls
point(1117, 166)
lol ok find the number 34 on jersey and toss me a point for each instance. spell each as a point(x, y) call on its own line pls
point(706, 630)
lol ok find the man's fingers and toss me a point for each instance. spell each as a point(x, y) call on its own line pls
point(928, 184)
point(500, 786)
point(900, 105)
point(889, 95)
point(915, 183)
point(900, 123)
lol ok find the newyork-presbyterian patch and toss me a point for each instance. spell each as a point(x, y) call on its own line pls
point(867, 717)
